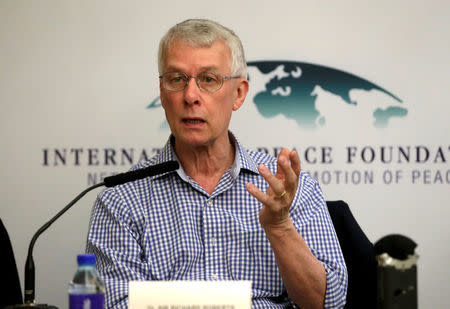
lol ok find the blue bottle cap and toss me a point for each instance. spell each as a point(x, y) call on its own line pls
point(86, 259)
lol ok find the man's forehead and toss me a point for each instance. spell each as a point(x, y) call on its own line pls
point(208, 58)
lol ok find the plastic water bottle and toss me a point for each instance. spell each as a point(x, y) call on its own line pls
point(86, 291)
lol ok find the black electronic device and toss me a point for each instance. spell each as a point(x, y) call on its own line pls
point(396, 272)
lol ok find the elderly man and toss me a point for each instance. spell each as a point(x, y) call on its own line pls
point(228, 213)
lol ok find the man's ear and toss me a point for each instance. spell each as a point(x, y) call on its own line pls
point(242, 90)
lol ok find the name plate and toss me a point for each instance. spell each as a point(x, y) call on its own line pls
point(189, 295)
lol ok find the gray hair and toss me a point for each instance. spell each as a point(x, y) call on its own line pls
point(203, 33)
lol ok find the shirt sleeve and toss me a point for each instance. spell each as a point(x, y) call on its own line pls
point(313, 222)
point(113, 238)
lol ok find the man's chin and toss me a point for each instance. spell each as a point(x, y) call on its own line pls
point(192, 141)
point(195, 141)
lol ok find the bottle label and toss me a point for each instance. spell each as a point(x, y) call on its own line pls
point(87, 301)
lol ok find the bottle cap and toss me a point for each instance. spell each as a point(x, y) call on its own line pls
point(86, 259)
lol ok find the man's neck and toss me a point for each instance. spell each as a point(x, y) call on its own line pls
point(206, 164)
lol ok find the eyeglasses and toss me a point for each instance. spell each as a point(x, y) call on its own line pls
point(206, 81)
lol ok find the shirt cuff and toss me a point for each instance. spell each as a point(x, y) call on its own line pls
point(336, 292)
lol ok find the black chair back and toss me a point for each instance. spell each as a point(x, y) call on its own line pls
point(359, 256)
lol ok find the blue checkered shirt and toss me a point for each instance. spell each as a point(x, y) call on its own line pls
point(167, 227)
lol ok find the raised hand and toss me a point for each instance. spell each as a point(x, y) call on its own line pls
point(281, 191)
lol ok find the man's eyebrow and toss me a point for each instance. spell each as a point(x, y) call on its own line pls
point(172, 69)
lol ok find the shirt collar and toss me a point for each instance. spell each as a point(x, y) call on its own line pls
point(242, 160)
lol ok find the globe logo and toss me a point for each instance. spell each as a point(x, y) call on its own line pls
point(315, 96)
point(294, 88)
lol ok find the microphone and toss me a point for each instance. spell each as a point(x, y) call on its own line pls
point(151, 170)
point(29, 291)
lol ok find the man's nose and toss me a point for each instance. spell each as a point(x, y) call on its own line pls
point(192, 92)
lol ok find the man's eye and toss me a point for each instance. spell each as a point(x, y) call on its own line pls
point(208, 78)
point(176, 79)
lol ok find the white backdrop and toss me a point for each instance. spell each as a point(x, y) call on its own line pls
point(76, 78)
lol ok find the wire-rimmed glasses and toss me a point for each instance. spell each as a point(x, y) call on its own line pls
point(206, 81)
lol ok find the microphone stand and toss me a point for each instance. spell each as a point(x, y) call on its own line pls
point(29, 293)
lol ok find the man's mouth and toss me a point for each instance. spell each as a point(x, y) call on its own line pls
point(193, 120)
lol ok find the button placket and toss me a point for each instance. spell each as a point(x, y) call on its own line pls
point(210, 240)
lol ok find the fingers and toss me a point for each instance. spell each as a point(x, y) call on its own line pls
point(258, 194)
point(282, 188)
point(282, 159)
point(295, 162)
point(285, 181)
point(291, 159)
point(288, 168)
point(275, 183)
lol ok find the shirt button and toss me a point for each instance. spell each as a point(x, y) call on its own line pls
point(213, 242)
point(214, 276)
point(210, 203)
